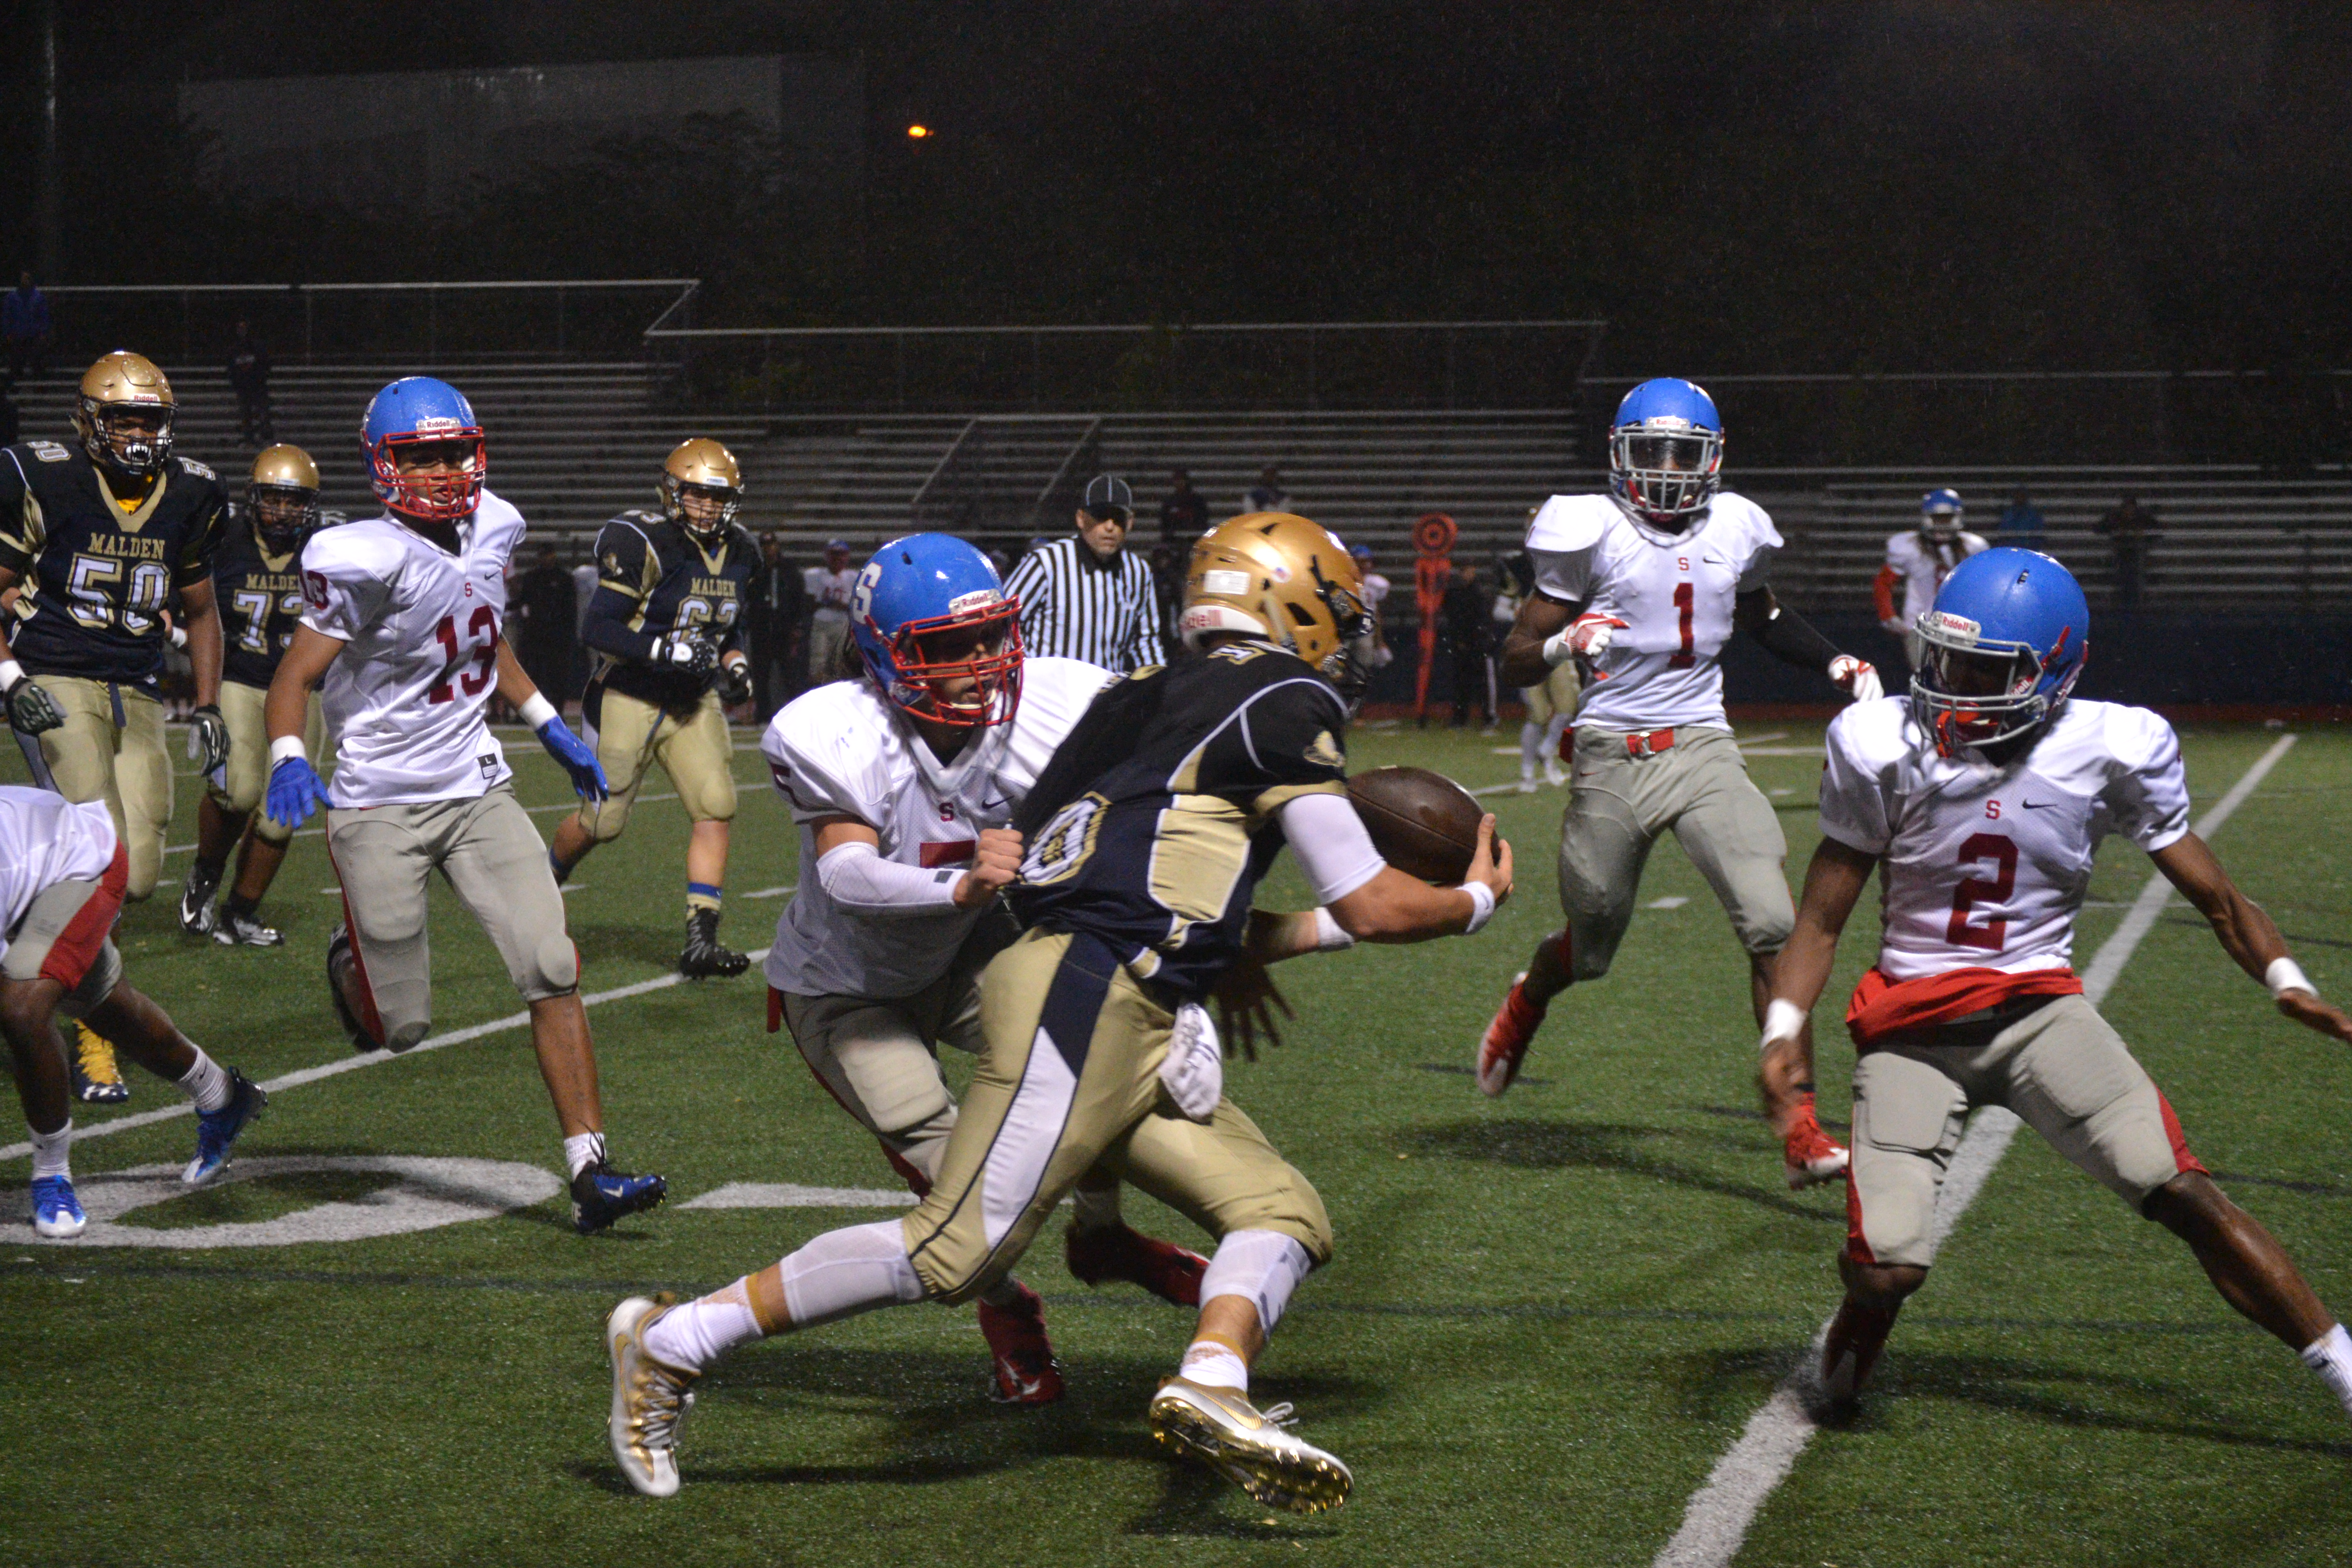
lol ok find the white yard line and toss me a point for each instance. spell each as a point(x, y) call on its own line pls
point(1716, 1520)
point(355, 1061)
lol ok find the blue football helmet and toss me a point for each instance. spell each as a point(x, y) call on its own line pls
point(1939, 515)
point(415, 409)
point(937, 632)
point(1665, 453)
point(2003, 647)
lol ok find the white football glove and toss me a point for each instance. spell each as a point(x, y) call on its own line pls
point(1194, 1071)
point(1857, 678)
point(1893, 626)
point(1586, 637)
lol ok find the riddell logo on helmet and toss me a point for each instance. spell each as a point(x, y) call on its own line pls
point(978, 599)
point(1959, 628)
point(432, 423)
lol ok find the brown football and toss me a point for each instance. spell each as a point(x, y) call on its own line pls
point(1424, 824)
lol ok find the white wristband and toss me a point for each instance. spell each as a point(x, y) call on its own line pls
point(2285, 974)
point(11, 673)
point(1555, 650)
point(1783, 1021)
point(1482, 906)
point(287, 746)
point(1328, 936)
point(537, 711)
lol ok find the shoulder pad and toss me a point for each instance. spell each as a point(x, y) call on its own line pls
point(1871, 736)
point(49, 451)
point(1567, 523)
point(641, 517)
point(198, 470)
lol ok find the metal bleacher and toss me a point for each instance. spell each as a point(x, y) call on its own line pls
point(572, 443)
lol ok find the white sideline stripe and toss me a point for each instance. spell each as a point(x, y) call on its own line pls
point(355, 1061)
point(533, 810)
point(791, 1196)
point(1716, 1520)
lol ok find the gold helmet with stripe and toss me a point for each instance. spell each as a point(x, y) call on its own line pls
point(282, 497)
point(1276, 575)
point(710, 469)
point(124, 414)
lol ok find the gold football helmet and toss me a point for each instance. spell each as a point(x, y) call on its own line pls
point(1276, 575)
point(124, 414)
point(711, 470)
point(282, 495)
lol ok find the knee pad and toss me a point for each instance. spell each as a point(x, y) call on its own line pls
point(847, 1271)
point(1261, 1267)
point(1765, 935)
point(272, 832)
point(554, 970)
point(400, 1037)
point(604, 818)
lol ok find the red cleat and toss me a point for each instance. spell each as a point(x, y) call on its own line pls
point(1856, 1336)
point(1505, 1045)
point(1811, 1155)
point(1122, 1252)
point(1026, 1372)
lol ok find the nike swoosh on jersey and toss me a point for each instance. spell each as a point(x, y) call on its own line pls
point(2041, 805)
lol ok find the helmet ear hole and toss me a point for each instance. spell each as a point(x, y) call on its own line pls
point(1298, 615)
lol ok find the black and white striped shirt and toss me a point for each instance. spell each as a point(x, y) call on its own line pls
point(1074, 606)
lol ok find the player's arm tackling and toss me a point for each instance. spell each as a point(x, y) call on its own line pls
point(2246, 933)
point(851, 868)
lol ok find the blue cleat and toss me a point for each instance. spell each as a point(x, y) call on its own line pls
point(600, 1195)
point(57, 1212)
point(217, 1130)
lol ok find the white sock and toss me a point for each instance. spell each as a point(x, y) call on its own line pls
point(1552, 733)
point(207, 1082)
point(696, 1333)
point(50, 1152)
point(1531, 736)
point(1261, 1267)
point(582, 1150)
point(2330, 1356)
point(1215, 1365)
point(847, 1271)
point(1093, 1209)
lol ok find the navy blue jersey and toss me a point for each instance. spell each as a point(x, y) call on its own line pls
point(654, 580)
point(97, 577)
point(260, 599)
point(1157, 818)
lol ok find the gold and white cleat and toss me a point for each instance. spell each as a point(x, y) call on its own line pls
point(650, 1399)
point(1248, 1446)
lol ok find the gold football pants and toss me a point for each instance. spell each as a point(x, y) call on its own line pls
point(111, 748)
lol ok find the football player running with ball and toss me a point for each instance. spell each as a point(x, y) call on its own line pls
point(258, 583)
point(62, 876)
point(1152, 825)
point(1979, 803)
point(902, 781)
point(666, 625)
point(402, 623)
point(1642, 587)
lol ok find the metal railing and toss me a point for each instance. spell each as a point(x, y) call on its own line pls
point(496, 318)
point(1139, 366)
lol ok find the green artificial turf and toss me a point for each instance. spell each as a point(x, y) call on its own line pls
point(1547, 1317)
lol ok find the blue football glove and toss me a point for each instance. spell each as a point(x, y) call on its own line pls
point(575, 757)
point(295, 791)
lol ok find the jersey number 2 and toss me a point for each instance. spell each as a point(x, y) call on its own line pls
point(1684, 600)
point(1994, 933)
point(482, 633)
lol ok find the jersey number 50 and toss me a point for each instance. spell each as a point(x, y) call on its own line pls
point(480, 650)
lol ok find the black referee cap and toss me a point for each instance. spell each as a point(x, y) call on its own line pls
point(1108, 493)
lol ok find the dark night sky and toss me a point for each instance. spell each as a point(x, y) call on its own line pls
point(1851, 187)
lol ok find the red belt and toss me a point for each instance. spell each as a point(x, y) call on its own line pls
point(1649, 742)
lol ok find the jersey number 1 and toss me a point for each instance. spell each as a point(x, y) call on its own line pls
point(1684, 600)
point(482, 632)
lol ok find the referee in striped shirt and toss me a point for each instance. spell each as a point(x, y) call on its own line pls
point(1087, 596)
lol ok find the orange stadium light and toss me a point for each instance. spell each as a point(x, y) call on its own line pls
point(917, 132)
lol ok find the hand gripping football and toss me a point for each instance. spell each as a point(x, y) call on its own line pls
point(1424, 824)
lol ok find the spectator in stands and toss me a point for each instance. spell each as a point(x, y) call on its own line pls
point(1184, 515)
point(1464, 635)
point(2129, 530)
point(828, 628)
point(249, 377)
point(542, 619)
point(1170, 558)
point(25, 327)
point(1267, 494)
point(2020, 521)
point(774, 617)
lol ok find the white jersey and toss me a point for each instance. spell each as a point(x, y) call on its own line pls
point(1986, 867)
point(46, 839)
point(1663, 669)
point(1921, 564)
point(1376, 588)
point(830, 591)
point(843, 750)
point(406, 698)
